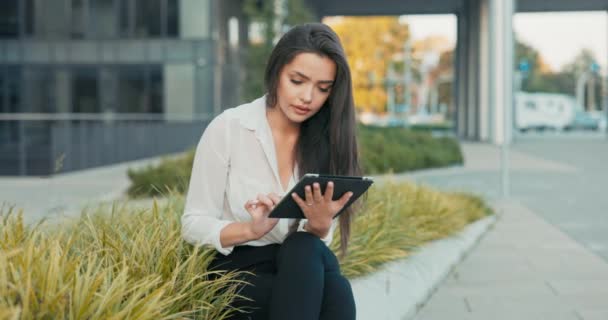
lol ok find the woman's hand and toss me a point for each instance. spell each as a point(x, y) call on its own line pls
point(259, 209)
point(319, 208)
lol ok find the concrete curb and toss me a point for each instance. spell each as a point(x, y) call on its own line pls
point(401, 287)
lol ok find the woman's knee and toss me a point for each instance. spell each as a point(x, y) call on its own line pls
point(301, 246)
point(338, 299)
point(302, 242)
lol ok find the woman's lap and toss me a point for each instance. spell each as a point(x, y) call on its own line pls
point(336, 290)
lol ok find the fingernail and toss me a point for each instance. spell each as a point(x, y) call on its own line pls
point(293, 194)
point(331, 184)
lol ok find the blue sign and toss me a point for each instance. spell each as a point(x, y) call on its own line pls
point(594, 67)
point(524, 65)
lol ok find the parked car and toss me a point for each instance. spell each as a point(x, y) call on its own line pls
point(583, 121)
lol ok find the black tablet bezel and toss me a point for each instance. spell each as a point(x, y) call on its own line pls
point(342, 184)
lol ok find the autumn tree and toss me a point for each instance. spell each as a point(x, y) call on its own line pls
point(371, 43)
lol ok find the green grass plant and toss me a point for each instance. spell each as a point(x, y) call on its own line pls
point(397, 218)
point(127, 261)
point(110, 263)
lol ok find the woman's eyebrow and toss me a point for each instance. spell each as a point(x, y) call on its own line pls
point(307, 78)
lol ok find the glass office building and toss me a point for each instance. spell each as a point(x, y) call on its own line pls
point(76, 73)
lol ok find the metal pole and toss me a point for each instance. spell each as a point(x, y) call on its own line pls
point(407, 74)
point(606, 98)
point(505, 68)
point(22, 149)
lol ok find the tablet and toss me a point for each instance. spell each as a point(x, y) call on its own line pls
point(288, 208)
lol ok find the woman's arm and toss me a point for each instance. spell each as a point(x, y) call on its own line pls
point(236, 233)
point(260, 224)
point(201, 221)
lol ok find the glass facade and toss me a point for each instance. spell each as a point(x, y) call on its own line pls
point(67, 59)
point(89, 19)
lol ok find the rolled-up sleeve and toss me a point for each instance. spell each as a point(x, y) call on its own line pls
point(201, 220)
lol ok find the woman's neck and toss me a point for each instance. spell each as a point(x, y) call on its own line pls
point(280, 124)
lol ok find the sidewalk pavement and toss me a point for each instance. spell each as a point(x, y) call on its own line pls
point(524, 268)
point(65, 194)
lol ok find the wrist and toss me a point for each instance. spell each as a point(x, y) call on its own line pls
point(319, 230)
point(250, 234)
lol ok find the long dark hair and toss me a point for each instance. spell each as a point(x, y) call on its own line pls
point(327, 142)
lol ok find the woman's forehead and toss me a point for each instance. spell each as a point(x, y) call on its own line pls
point(312, 66)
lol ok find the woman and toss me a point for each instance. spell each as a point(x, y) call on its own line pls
point(249, 156)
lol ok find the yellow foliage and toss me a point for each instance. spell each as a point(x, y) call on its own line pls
point(370, 44)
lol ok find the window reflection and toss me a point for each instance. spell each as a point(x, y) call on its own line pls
point(172, 18)
point(38, 90)
point(85, 97)
point(105, 16)
point(9, 18)
point(140, 89)
point(9, 100)
point(81, 19)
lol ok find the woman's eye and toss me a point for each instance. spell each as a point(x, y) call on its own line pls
point(325, 89)
point(296, 81)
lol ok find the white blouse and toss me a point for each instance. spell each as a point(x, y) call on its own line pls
point(235, 161)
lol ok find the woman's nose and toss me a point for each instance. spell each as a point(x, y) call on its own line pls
point(306, 95)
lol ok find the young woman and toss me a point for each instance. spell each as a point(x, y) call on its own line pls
point(251, 155)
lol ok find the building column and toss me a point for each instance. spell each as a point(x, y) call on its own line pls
point(501, 74)
point(468, 68)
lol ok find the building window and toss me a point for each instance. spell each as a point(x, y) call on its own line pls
point(104, 18)
point(172, 15)
point(85, 96)
point(147, 18)
point(140, 89)
point(10, 98)
point(9, 19)
point(10, 77)
point(79, 19)
point(38, 86)
point(28, 15)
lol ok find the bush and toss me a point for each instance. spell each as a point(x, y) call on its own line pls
point(394, 149)
point(111, 264)
point(383, 150)
point(171, 175)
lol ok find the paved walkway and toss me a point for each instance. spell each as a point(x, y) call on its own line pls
point(532, 264)
point(66, 194)
point(523, 269)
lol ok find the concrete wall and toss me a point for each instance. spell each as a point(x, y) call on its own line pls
point(195, 19)
point(179, 88)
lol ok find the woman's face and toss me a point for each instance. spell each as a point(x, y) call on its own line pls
point(304, 85)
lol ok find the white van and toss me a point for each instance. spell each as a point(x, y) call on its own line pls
point(543, 110)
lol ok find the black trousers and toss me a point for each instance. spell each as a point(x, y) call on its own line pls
point(298, 279)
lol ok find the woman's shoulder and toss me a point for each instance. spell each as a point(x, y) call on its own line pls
point(243, 114)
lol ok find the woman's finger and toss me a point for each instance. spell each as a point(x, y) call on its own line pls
point(308, 195)
point(251, 204)
point(329, 191)
point(265, 200)
point(274, 197)
point(298, 200)
point(344, 199)
point(316, 194)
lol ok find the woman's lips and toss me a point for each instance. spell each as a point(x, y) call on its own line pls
point(300, 110)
